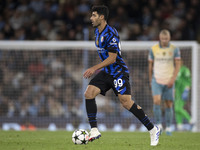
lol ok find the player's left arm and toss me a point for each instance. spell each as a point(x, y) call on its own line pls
point(177, 68)
point(110, 60)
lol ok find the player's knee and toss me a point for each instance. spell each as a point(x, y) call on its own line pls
point(126, 103)
point(177, 110)
point(168, 104)
point(88, 95)
point(157, 102)
point(91, 92)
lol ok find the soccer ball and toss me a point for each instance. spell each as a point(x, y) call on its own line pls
point(80, 136)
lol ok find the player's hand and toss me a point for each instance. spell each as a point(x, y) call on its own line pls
point(88, 73)
point(185, 94)
point(170, 83)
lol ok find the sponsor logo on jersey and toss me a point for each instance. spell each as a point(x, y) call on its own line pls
point(164, 59)
point(100, 50)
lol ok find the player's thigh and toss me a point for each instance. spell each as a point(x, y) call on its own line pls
point(91, 92)
point(156, 87)
point(178, 105)
point(168, 103)
point(101, 81)
point(156, 91)
point(168, 95)
point(157, 99)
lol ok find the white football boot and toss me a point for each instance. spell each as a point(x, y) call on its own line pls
point(168, 131)
point(160, 127)
point(94, 134)
point(180, 127)
point(154, 135)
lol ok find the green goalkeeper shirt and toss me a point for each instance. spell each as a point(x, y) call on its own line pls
point(183, 80)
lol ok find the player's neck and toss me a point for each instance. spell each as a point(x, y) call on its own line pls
point(102, 26)
point(164, 45)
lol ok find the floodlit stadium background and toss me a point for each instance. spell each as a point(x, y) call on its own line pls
point(44, 87)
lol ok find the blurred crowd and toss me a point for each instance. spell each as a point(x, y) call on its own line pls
point(66, 19)
point(39, 83)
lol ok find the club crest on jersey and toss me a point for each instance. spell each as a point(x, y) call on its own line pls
point(164, 53)
point(102, 38)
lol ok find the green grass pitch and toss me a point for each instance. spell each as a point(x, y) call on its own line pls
point(61, 140)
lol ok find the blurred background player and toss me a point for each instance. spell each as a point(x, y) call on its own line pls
point(162, 75)
point(114, 74)
point(182, 88)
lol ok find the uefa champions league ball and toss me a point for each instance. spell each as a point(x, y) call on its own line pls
point(80, 136)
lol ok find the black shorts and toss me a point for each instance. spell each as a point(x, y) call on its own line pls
point(105, 82)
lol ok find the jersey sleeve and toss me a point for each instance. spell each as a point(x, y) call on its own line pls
point(150, 56)
point(112, 40)
point(112, 45)
point(177, 53)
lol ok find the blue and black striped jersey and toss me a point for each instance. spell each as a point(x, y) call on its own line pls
point(108, 41)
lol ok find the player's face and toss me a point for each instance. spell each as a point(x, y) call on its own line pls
point(164, 39)
point(95, 19)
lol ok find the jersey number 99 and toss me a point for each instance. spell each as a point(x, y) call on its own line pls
point(118, 82)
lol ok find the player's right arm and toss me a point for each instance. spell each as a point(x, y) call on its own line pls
point(150, 71)
point(110, 60)
point(112, 45)
point(150, 65)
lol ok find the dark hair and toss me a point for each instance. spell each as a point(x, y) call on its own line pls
point(101, 10)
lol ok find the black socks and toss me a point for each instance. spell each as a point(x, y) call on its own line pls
point(91, 109)
point(139, 113)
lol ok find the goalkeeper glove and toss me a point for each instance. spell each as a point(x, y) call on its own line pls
point(185, 94)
